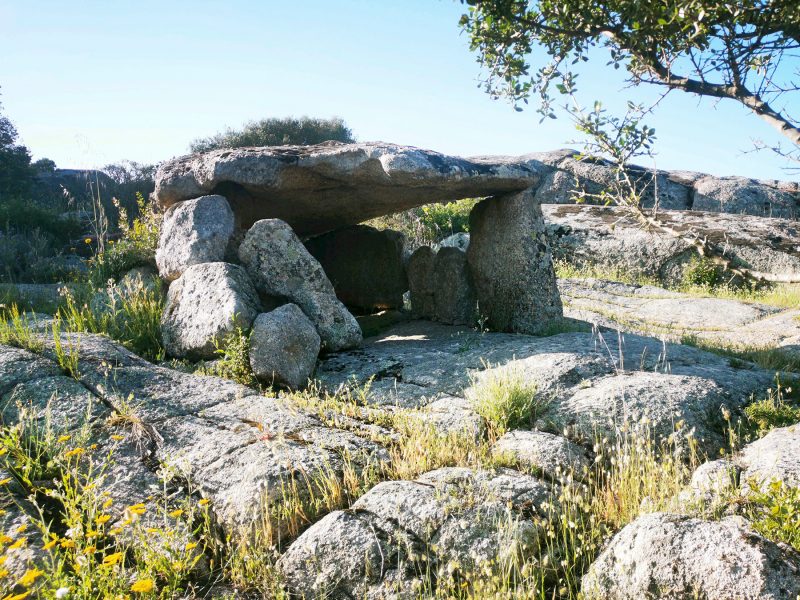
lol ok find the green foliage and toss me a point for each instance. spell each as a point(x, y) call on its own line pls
point(83, 546)
point(737, 50)
point(304, 131)
point(16, 173)
point(130, 314)
point(136, 248)
point(30, 239)
point(774, 511)
point(701, 272)
point(431, 223)
point(776, 410)
point(505, 399)
point(17, 329)
point(234, 361)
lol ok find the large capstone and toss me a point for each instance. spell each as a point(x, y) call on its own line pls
point(204, 305)
point(281, 267)
point(511, 265)
point(329, 186)
point(283, 347)
point(193, 232)
point(365, 266)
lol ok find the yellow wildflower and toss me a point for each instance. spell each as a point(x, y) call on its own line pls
point(74, 452)
point(22, 528)
point(88, 241)
point(191, 545)
point(89, 550)
point(113, 559)
point(5, 481)
point(117, 438)
point(102, 519)
point(21, 596)
point(108, 503)
point(67, 544)
point(3, 451)
point(137, 509)
point(29, 577)
point(203, 502)
point(18, 544)
point(64, 438)
point(143, 586)
point(49, 545)
point(176, 513)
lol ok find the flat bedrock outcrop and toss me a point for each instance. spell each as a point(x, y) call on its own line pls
point(676, 316)
point(585, 384)
point(610, 238)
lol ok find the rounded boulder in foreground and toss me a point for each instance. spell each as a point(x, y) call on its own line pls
point(284, 346)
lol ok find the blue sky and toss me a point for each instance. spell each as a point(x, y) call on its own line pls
point(89, 82)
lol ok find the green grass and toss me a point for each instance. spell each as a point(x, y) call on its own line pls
point(697, 283)
point(234, 360)
point(777, 409)
point(771, 359)
point(505, 399)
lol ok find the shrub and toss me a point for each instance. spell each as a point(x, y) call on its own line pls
point(774, 511)
point(431, 223)
point(773, 411)
point(136, 248)
point(30, 238)
point(234, 361)
point(304, 131)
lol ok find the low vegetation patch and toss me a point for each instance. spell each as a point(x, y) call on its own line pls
point(505, 399)
point(431, 223)
point(699, 280)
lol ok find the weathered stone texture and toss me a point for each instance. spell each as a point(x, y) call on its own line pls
point(511, 265)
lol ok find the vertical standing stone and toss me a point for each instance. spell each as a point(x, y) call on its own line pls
point(454, 293)
point(420, 282)
point(511, 264)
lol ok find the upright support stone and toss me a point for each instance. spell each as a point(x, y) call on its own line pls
point(453, 292)
point(511, 264)
point(420, 282)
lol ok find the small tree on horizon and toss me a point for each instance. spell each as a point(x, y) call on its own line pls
point(16, 173)
point(303, 131)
